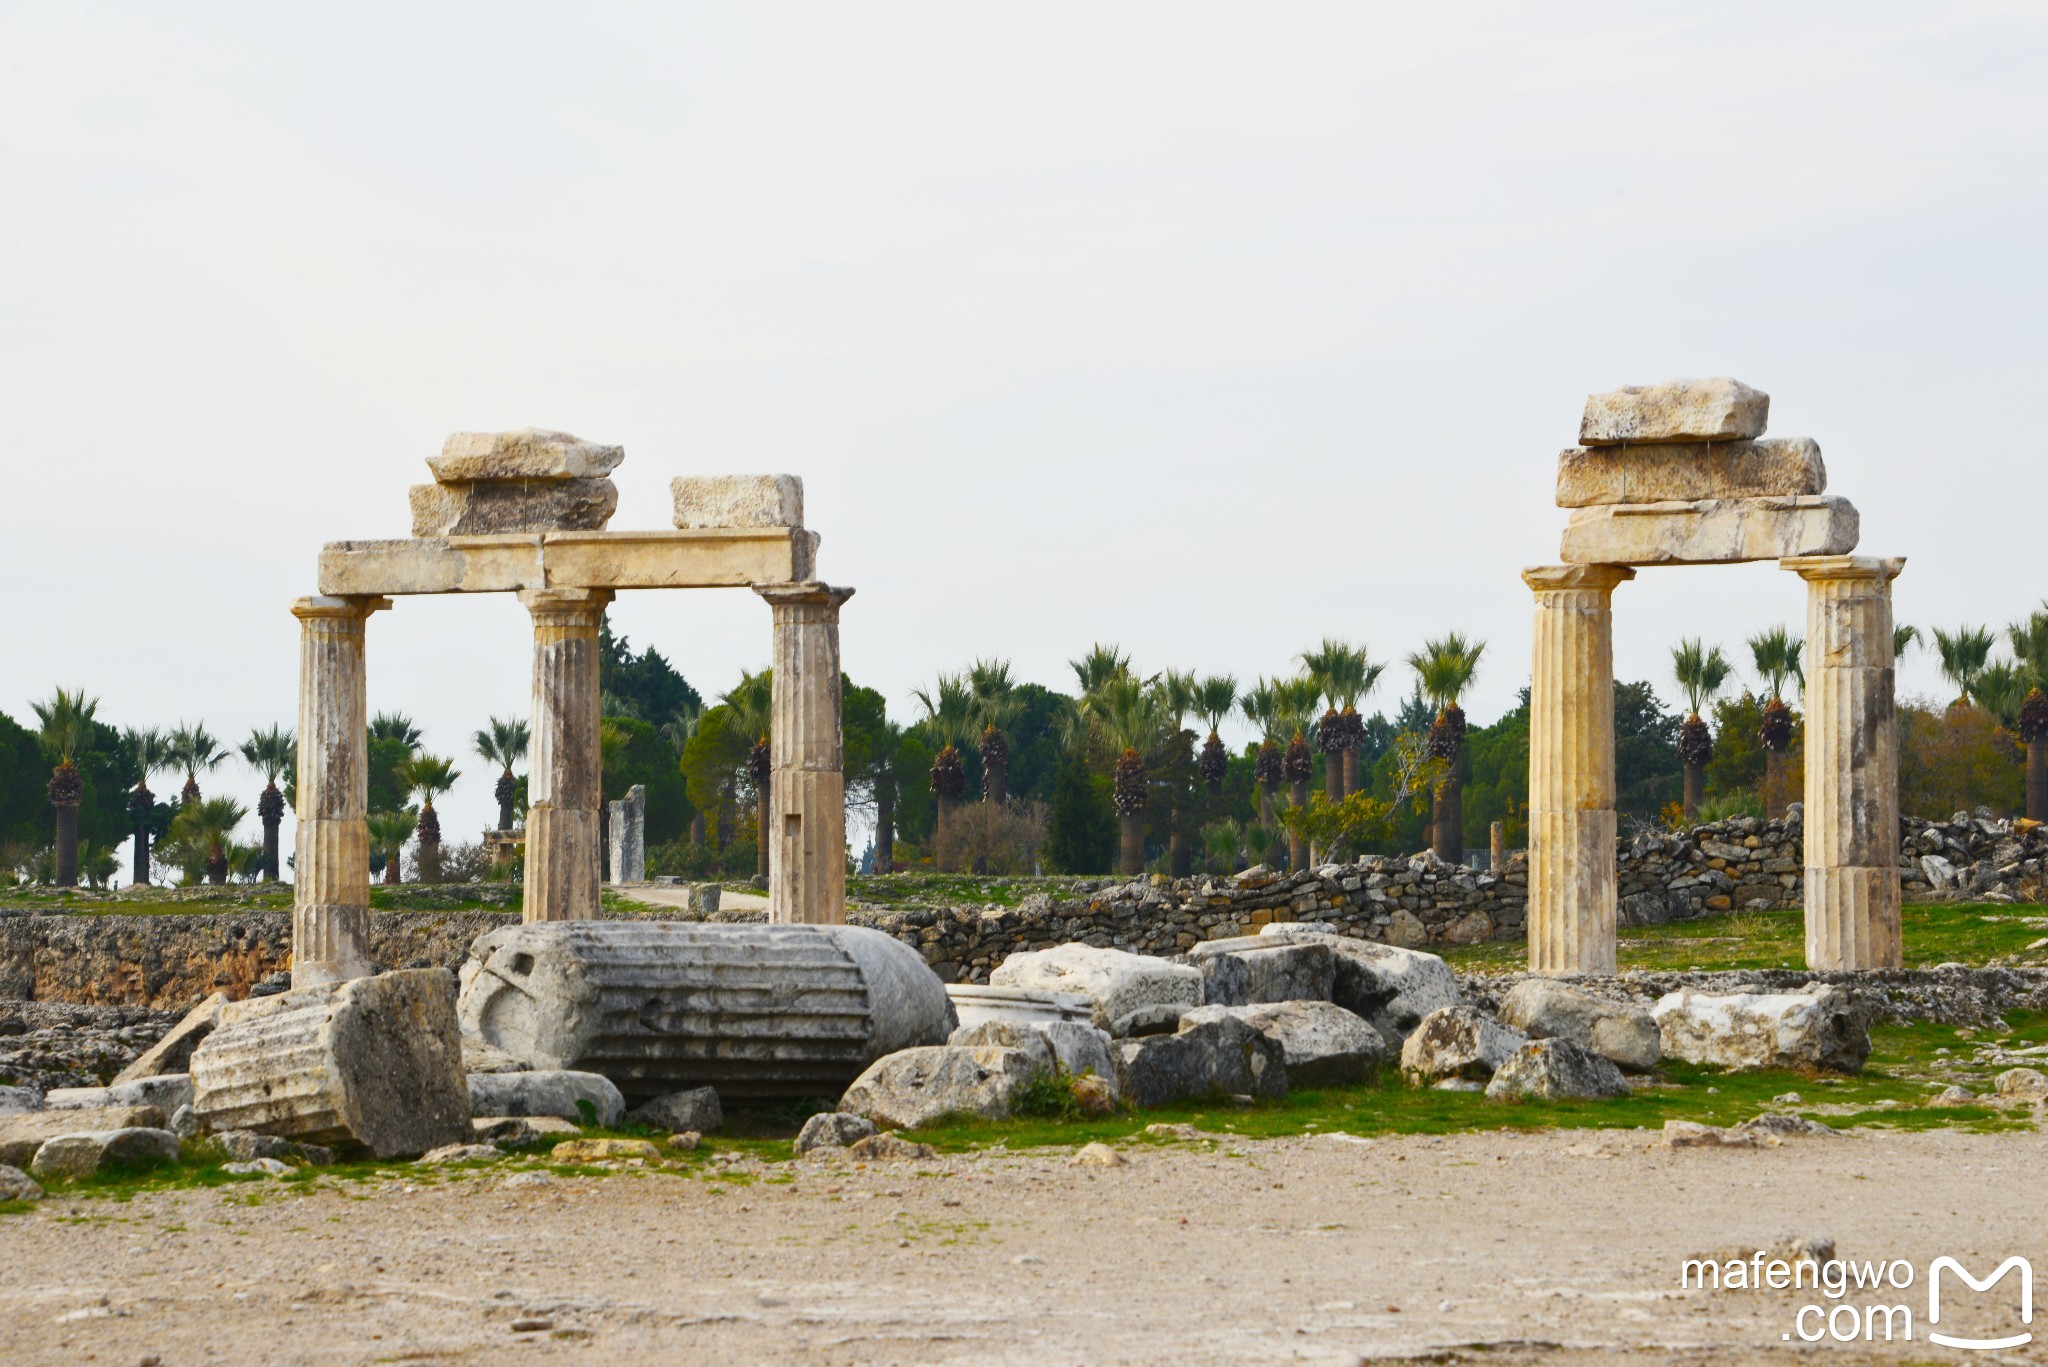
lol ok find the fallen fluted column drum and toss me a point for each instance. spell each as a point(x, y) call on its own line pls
point(657, 1007)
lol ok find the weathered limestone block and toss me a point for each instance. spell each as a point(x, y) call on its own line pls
point(629, 836)
point(1590, 476)
point(697, 1109)
point(490, 509)
point(530, 453)
point(1555, 1070)
point(173, 1052)
point(167, 1093)
point(1720, 409)
point(1710, 531)
point(750, 1009)
point(19, 1100)
point(915, 1087)
point(832, 1130)
point(1075, 1047)
point(738, 501)
point(1391, 987)
point(1621, 1031)
point(81, 1155)
point(1819, 1027)
point(1256, 968)
point(1131, 992)
point(21, 1135)
point(371, 1062)
point(975, 1003)
point(1325, 1045)
point(1458, 1042)
point(559, 1092)
point(1214, 1058)
point(15, 1185)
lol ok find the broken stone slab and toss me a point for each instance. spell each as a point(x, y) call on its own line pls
point(696, 1109)
point(530, 453)
point(1690, 1134)
point(884, 1148)
point(1074, 1047)
point(1817, 1027)
point(914, 1087)
point(1458, 1043)
point(974, 1003)
point(1590, 476)
point(21, 1135)
point(460, 1153)
point(16, 1185)
point(1391, 987)
point(1775, 1128)
point(557, 505)
point(167, 1092)
point(1556, 1070)
point(662, 1006)
point(19, 1100)
point(1711, 531)
point(1207, 1059)
point(1257, 968)
point(244, 1146)
point(70, 1156)
point(738, 501)
point(173, 1053)
point(832, 1130)
point(1130, 993)
point(1324, 1045)
point(580, 1098)
point(372, 1063)
point(1718, 409)
point(1622, 1031)
point(603, 1151)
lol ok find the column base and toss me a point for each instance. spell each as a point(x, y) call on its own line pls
point(562, 870)
point(330, 944)
point(1572, 891)
point(1852, 918)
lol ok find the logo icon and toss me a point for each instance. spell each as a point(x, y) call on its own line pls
point(2026, 1271)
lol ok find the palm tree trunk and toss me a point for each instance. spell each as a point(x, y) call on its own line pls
point(1695, 791)
point(1133, 842)
point(270, 826)
point(1333, 774)
point(1449, 835)
point(2037, 779)
point(996, 782)
point(140, 878)
point(942, 830)
point(885, 828)
point(392, 860)
point(507, 787)
point(67, 845)
point(1297, 848)
point(1774, 784)
point(761, 835)
point(1350, 772)
point(216, 865)
point(1180, 856)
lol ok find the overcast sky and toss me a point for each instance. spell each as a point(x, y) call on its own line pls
point(1208, 330)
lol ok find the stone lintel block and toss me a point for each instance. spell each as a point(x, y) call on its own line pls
point(530, 453)
point(716, 558)
point(738, 501)
point(1710, 531)
point(1720, 409)
point(541, 505)
point(1659, 472)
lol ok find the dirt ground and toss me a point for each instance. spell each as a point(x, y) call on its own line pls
point(1555, 1247)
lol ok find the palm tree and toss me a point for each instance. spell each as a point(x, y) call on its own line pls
point(1101, 664)
point(1261, 707)
point(1131, 718)
point(67, 733)
point(2030, 649)
point(996, 709)
point(151, 751)
point(207, 826)
point(271, 753)
point(1700, 672)
point(1177, 692)
point(430, 776)
point(1778, 657)
point(1964, 653)
point(1904, 638)
point(1346, 674)
point(1444, 669)
point(1999, 689)
point(1329, 664)
point(949, 717)
point(1296, 700)
point(193, 748)
point(395, 726)
point(752, 701)
point(504, 742)
point(1215, 697)
point(388, 833)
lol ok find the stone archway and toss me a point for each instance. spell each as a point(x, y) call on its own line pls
point(1680, 474)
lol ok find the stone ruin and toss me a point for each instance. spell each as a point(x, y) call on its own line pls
point(1680, 473)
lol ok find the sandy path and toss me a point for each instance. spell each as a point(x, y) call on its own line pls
point(668, 895)
point(1277, 1251)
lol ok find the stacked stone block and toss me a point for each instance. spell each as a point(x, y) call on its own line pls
point(532, 480)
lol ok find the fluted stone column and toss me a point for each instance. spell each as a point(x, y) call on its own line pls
point(331, 868)
point(564, 780)
point(1852, 763)
point(1571, 769)
point(807, 790)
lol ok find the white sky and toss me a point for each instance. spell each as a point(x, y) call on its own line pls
point(1208, 330)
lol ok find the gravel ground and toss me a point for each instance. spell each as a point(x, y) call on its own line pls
point(1555, 1247)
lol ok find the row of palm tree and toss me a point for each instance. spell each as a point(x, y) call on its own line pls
point(2014, 691)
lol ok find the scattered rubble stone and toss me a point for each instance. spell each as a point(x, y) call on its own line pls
point(1556, 1069)
point(1325, 1045)
point(82, 1154)
point(1217, 1057)
point(832, 1129)
point(697, 1109)
point(584, 1098)
point(1821, 1027)
point(1458, 1043)
point(16, 1185)
point(1625, 1032)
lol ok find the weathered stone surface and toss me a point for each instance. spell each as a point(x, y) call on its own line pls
point(520, 1131)
point(80, 1155)
point(1075, 1047)
point(1210, 1058)
point(173, 1052)
point(1391, 987)
point(603, 1151)
point(974, 1003)
point(738, 501)
point(1590, 476)
point(832, 1130)
point(915, 1087)
point(460, 1153)
point(696, 1109)
point(21, 1135)
point(559, 1092)
point(530, 453)
point(16, 1185)
point(555, 505)
point(370, 1062)
point(738, 557)
point(1458, 1042)
point(1690, 1134)
point(1131, 993)
point(1820, 1027)
point(660, 1006)
point(883, 1148)
point(1719, 409)
point(1097, 1155)
point(2023, 1083)
point(1622, 1031)
point(166, 1092)
point(16, 1100)
point(1774, 1128)
point(1257, 968)
point(1555, 1070)
point(1711, 531)
point(1324, 1044)
point(806, 797)
point(628, 836)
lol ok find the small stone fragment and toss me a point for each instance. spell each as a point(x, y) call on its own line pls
point(2022, 1083)
point(1688, 1134)
point(1554, 1070)
point(1719, 409)
point(530, 453)
point(1458, 1042)
point(696, 1109)
point(603, 1150)
point(1772, 1128)
point(1098, 1155)
point(258, 1167)
point(80, 1155)
point(887, 1146)
point(705, 501)
point(16, 1185)
point(461, 1153)
point(687, 1141)
point(832, 1129)
point(1093, 1096)
point(1953, 1096)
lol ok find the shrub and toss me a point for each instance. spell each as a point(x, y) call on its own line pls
point(991, 838)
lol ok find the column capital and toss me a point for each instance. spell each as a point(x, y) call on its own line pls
point(353, 607)
point(1547, 577)
point(1818, 569)
point(573, 606)
point(805, 594)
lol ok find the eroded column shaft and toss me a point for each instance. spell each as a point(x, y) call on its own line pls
point(564, 777)
point(1851, 823)
point(1571, 769)
point(807, 790)
point(331, 865)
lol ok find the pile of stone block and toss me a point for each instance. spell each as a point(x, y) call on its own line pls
point(533, 480)
point(1681, 473)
